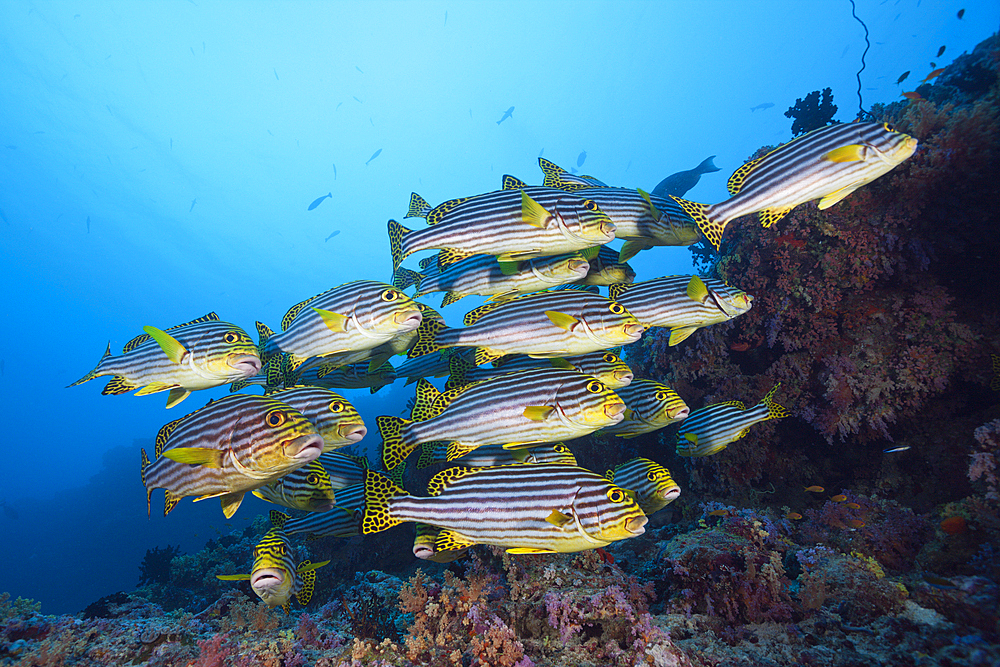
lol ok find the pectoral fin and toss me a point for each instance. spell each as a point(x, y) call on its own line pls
point(336, 322)
point(834, 197)
point(170, 345)
point(559, 519)
point(176, 395)
point(532, 212)
point(562, 320)
point(200, 456)
point(538, 413)
point(849, 153)
point(231, 503)
point(697, 290)
point(680, 334)
point(233, 577)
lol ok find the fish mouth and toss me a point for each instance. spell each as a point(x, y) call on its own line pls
point(624, 378)
point(671, 494)
point(322, 505)
point(408, 320)
point(305, 448)
point(679, 414)
point(634, 331)
point(352, 432)
point(635, 524)
point(248, 364)
point(579, 266)
point(615, 411)
point(423, 551)
point(267, 579)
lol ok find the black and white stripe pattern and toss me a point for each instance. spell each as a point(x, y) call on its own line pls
point(651, 406)
point(651, 483)
point(333, 416)
point(669, 225)
point(711, 429)
point(606, 366)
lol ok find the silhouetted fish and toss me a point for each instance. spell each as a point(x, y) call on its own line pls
point(765, 105)
point(276, 74)
point(357, 100)
point(193, 202)
point(961, 13)
point(319, 200)
point(332, 234)
point(334, 172)
point(902, 77)
point(581, 158)
point(506, 114)
point(679, 183)
point(940, 51)
point(374, 155)
point(358, 68)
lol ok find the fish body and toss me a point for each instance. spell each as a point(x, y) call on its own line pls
point(307, 489)
point(435, 364)
point(354, 316)
point(648, 482)
point(581, 158)
point(496, 455)
point(711, 429)
point(230, 446)
point(650, 406)
point(543, 325)
point(332, 234)
point(319, 200)
point(517, 409)
point(678, 184)
point(608, 269)
point(275, 576)
point(902, 77)
point(506, 114)
point(341, 521)
point(606, 366)
point(333, 416)
point(513, 224)
point(376, 153)
point(826, 164)
point(525, 508)
point(683, 304)
point(485, 276)
point(357, 376)
point(765, 105)
point(200, 354)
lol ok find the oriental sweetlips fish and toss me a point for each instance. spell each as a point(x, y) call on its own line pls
point(643, 220)
point(515, 410)
point(496, 455)
point(200, 354)
point(605, 366)
point(230, 446)
point(826, 164)
point(514, 225)
point(333, 416)
point(650, 406)
point(354, 316)
point(711, 429)
point(307, 489)
point(542, 325)
point(683, 304)
point(524, 508)
point(275, 576)
point(647, 481)
point(607, 268)
point(485, 276)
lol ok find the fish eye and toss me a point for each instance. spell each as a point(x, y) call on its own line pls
point(390, 295)
point(562, 449)
point(616, 308)
point(610, 358)
point(595, 387)
point(231, 337)
point(616, 495)
point(652, 475)
point(337, 406)
point(275, 418)
point(312, 479)
point(661, 395)
point(590, 205)
point(888, 127)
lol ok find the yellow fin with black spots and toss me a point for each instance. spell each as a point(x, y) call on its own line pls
point(449, 540)
point(711, 229)
point(772, 215)
point(379, 491)
point(419, 208)
point(394, 449)
point(735, 183)
point(512, 183)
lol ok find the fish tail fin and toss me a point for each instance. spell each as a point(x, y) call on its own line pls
point(419, 208)
point(97, 372)
point(307, 574)
point(396, 234)
point(774, 411)
point(379, 490)
point(403, 278)
point(238, 386)
point(458, 369)
point(278, 519)
point(712, 229)
point(394, 448)
point(142, 475)
point(428, 333)
point(264, 334)
point(707, 166)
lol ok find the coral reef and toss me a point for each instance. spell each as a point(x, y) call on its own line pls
point(811, 113)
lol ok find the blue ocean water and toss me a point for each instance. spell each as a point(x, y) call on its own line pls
point(159, 160)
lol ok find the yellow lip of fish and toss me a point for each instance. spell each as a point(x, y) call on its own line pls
point(408, 319)
point(272, 585)
point(248, 364)
point(304, 447)
point(624, 377)
point(353, 432)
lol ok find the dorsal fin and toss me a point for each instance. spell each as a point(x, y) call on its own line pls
point(476, 314)
point(286, 321)
point(616, 290)
point(142, 338)
point(735, 183)
point(512, 183)
point(419, 208)
point(437, 214)
point(440, 481)
point(164, 434)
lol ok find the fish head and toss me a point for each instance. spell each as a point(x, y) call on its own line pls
point(562, 269)
point(616, 514)
point(608, 323)
point(896, 147)
point(224, 351)
point(338, 423)
point(273, 585)
point(283, 438)
point(313, 490)
point(665, 489)
point(599, 406)
point(381, 312)
point(583, 221)
point(671, 404)
point(613, 371)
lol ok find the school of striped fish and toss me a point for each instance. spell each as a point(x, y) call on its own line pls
point(542, 362)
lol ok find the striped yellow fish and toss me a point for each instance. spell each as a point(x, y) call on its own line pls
point(826, 164)
point(424, 541)
point(608, 269)
point(356, 376)
point(646, 481)
point(275, 576)
point(485, 276)
point(542, 325)
point(650, 406)
point(343, 520)
point(230, 446)
point(683, 304)
point(358, 315)
point(642, 219)
point(307, 489)
point(496, 455)
point(518, 409)
point(434, 365)
point(711, 429)
point(605, 366)
point(514, 225)
point(333, 416)
point(200, 354)
point(525, 508)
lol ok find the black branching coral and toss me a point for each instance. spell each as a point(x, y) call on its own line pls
point(811, 114)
